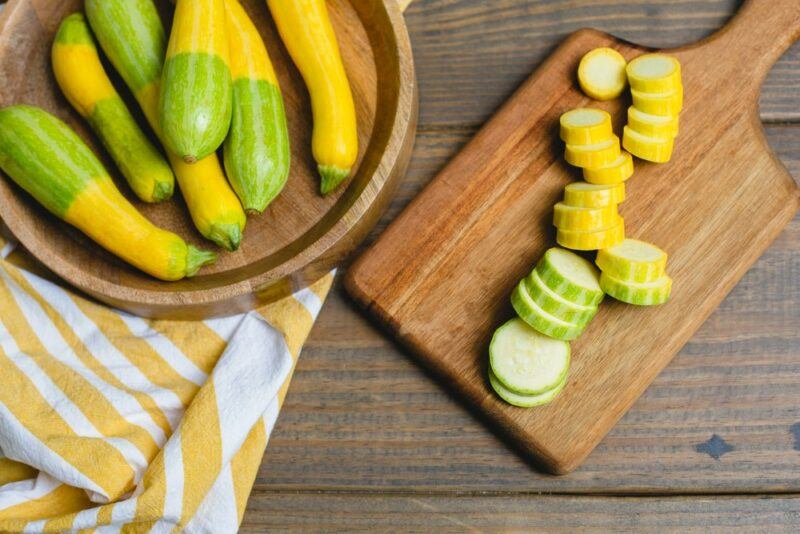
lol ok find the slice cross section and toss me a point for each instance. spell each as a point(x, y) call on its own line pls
point(615, 173)
point(601, 74)
point(525, 361)
point(585, 126)
point(524, 401)
point(633, 261)
point(595, 240)
point(555, 304)
point(540, 320)
point(574, 278)
point(647, 294)
point(654, 73)
point(586, 195)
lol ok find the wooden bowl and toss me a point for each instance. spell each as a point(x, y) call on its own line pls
point(299, 238)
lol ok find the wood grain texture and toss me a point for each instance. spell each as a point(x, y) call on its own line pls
point(439, 277)
point(300, 237)
point(362, 416)
point(471, 55)
point(310, 512)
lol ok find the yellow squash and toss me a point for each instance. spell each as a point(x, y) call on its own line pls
point(614, 173)
point(306, 31)
point(645, 147)
point(594, 240)
point(49, 161)
point(195, 101)
point(84, 82)
point(586, 195)
point(257, 154)
point(566, 217)
point(585, 126)
point(131, 35)
point(597, 155)
point(601, 74)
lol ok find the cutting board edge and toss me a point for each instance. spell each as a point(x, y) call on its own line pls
point(555, 463)
point(371, 294)
point(384, 321)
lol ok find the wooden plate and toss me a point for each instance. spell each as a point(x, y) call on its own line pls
point(299, 238)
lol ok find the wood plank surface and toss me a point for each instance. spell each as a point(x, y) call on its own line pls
point(439, 278)
point(362, 415)
point(309, 512)
point(470, 55)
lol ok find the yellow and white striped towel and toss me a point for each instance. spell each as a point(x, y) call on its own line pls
point(113, 423)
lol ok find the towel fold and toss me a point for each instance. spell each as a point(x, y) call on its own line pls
point(111, 422)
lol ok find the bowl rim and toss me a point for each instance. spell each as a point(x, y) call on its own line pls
point(403, 127)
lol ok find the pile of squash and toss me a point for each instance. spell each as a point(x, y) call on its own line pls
point(210, 85)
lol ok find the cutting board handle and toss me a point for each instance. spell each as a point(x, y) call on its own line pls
point(753, 40)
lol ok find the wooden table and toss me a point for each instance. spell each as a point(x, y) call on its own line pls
point(367, 439)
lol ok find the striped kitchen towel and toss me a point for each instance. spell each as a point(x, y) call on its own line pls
point(113, 423)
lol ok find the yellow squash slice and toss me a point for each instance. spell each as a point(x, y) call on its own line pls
point(566, 217)
point(654, 73)
point(599, 239)
point(586, 195)
point(601, 74)
point(667, 104)
point(647, 148)
point(585, 126)
point(633, 261)
point(596, 155)
point(662, 127)
point(615, 173)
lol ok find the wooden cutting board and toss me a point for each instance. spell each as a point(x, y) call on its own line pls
point(440, 276)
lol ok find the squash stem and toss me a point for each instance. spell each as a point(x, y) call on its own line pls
point(196, 258)
point(332, 176)
point(163, 191)
point(228, 236)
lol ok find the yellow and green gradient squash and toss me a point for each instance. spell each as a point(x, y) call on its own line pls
point(306, 30)
point(84, 82)
point(195, 102)
point(257, 155)
point(132, 36)
point(49, 161)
